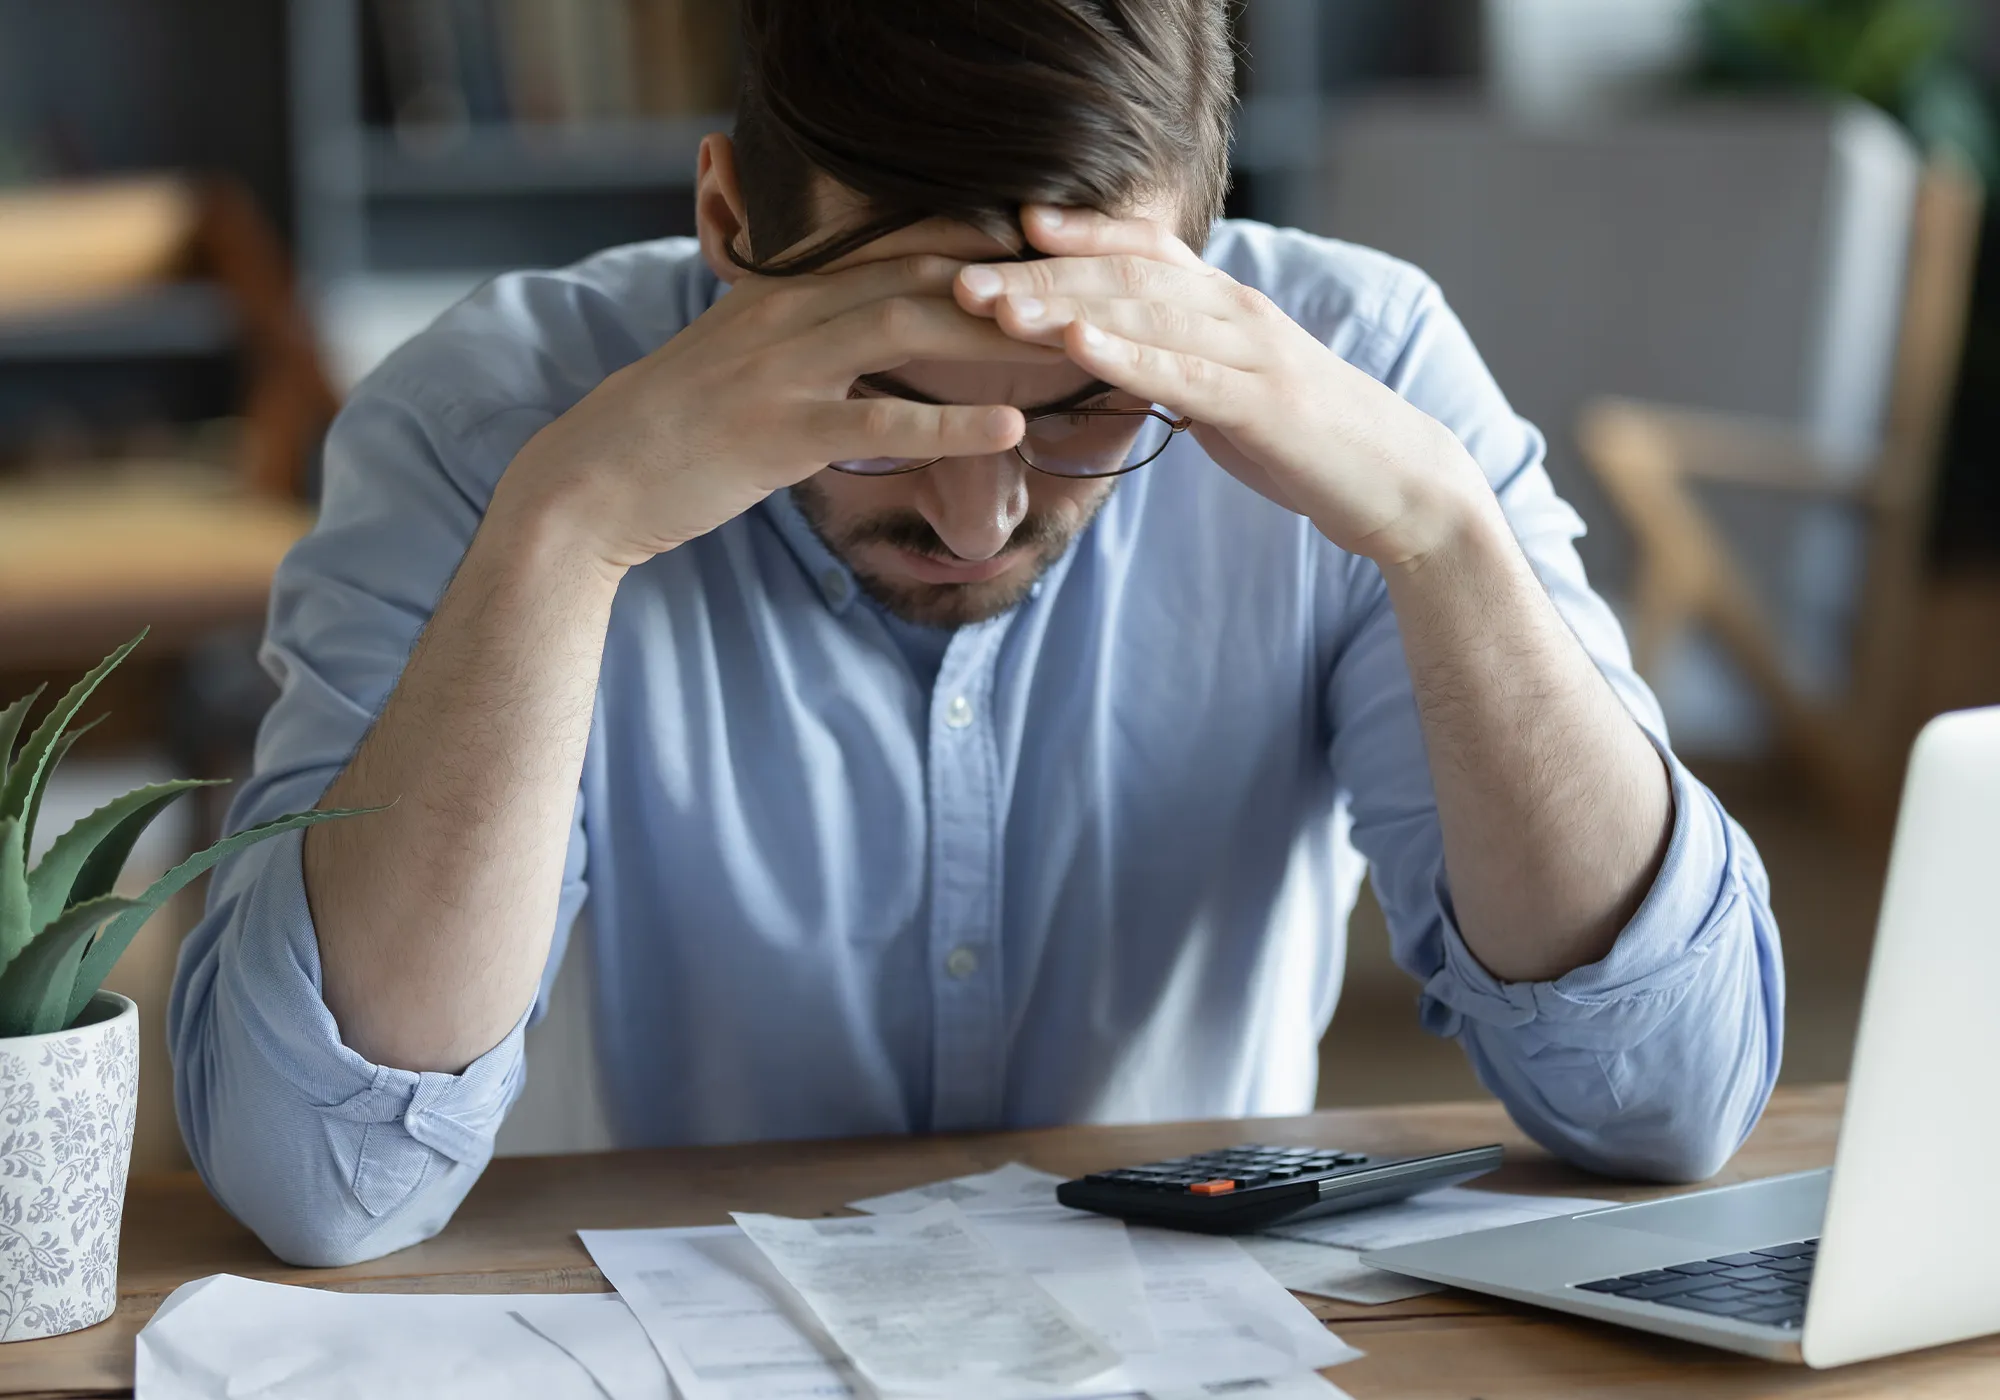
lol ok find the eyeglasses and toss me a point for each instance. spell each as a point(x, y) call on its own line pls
point(1072, 442)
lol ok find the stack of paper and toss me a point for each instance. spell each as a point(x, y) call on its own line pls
point(1027, 1304)
point(981, 1288)
point(1323, 1256)
point(225, 1336)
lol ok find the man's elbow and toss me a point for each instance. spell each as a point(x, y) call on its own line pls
point(325, 1227)
point(1679, 1144)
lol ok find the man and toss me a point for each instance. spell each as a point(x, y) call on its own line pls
point(1011, 768)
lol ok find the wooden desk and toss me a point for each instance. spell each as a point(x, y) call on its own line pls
point(516, 1233)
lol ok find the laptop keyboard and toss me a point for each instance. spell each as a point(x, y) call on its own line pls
point(1765, 1285)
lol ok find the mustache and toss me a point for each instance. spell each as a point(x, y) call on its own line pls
point(910, 531)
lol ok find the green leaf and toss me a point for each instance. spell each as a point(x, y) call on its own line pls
point(10, 724)
point(36, 991)
point(30, 770)
point(86, 860)
point(15, 928)
point(110, 945)
point(63, 746)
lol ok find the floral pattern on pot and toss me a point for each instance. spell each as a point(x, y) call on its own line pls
point(67, 1104)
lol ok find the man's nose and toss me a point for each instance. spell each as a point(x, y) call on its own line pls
point(975, 503)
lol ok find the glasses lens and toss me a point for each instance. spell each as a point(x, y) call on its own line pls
point(1094, 444)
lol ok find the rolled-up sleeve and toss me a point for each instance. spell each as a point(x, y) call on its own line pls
point(330, 1158)
point(1657, 1060)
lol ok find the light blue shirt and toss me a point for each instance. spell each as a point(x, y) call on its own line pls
point(1096, 869)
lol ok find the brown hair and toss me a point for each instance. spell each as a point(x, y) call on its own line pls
point(968, 109)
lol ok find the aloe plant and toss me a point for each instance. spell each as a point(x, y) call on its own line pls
point(61, 927)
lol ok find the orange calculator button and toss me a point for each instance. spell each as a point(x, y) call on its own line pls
point(1212, 1188)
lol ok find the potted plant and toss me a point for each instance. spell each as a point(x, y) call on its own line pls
point(69, 1052)
point(1905, 56)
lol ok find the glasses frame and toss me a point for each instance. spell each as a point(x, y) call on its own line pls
point(1174, 426)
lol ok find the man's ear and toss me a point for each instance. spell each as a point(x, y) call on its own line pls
point(719, 217)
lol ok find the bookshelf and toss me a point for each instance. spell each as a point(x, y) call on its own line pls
point(388, 223)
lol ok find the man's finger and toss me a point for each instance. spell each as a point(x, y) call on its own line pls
point(1189, 384)
point(893, 331)
point(815, 298)
point(980, 285)
point(1085, 233)
point(1163, 324)
point(859, 429)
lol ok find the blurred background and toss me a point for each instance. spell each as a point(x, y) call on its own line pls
point(1728, 254)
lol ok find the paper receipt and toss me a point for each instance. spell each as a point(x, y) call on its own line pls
point(923, 1303)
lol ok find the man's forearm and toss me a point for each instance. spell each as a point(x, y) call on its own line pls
point(1555, 807)
point(435, 916)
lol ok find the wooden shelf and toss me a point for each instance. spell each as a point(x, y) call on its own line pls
point(175, 319)
point(511, 160)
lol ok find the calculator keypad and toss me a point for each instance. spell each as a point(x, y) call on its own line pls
point(1231, 1170)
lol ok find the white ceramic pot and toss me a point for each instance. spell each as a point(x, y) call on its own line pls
point(67, 1102)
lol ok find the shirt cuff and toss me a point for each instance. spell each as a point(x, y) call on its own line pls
point(1613, 1004)
point(291, 1028)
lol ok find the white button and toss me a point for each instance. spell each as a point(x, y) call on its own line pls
point(962, 963)
point(958, 713)
point(834, 583)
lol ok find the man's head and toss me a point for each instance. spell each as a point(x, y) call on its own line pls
point(876, 128)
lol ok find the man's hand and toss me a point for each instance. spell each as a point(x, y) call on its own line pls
point(1555, 808)
point(1133, 305)
point(753, 397)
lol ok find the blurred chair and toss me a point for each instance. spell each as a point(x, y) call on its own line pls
point(1751, 257)
point(1650, 457)
point(91, 552)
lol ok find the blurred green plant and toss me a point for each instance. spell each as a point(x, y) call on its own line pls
point(61, 927)
point(1905, 56)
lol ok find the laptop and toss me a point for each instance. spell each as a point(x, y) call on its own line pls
point(1898, 1245)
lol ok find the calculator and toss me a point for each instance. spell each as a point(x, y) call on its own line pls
point(1256, 1186)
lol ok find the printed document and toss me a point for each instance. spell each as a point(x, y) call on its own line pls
point(1431, 1216)
point(1327, 1271)
point(225, 1336)
point(923, 1304)
point(730, 1329)
point(1012, 1187)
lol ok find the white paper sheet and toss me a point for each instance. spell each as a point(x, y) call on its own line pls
point(1431, 1216)
point(1221, 1318)
point(730, 1329)
point(1086, 1263)
point(1012, 1187)
point(604, 1338)
point(225, 1336)
point(1327, 1271)
point(726, 1325)
point(1309, 1386)
point(922, 1304)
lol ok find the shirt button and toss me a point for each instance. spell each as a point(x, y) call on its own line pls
point(962, 963)
point(958, 714)
point(834, 584)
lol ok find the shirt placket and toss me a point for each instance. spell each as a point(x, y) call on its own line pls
point(968, 1048)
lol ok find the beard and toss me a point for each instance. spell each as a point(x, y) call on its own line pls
point(943, 605)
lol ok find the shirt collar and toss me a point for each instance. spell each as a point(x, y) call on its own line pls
point(828, 572)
